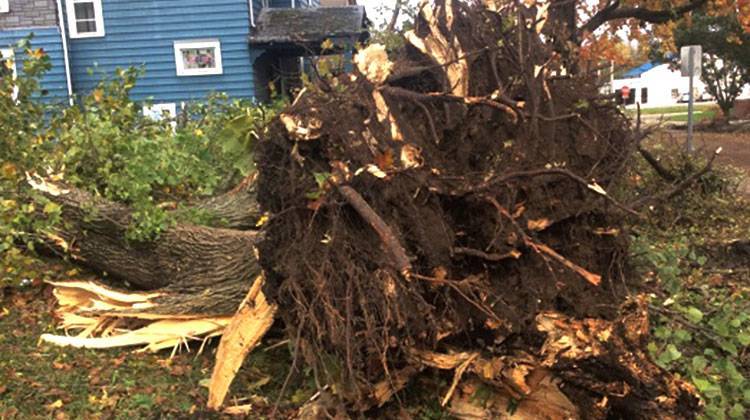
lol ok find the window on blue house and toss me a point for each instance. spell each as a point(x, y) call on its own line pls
point(198, 58)
point(85, 18)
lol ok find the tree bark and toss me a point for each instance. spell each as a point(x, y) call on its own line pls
point(236, 209)
point(199, 269)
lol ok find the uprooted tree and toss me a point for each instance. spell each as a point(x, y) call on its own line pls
point(447, 208)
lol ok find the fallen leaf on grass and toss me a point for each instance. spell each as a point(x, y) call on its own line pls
point(61, 366)
point(54, 406)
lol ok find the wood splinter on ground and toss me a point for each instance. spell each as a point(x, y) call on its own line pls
point(107, 318)
point(251, 322)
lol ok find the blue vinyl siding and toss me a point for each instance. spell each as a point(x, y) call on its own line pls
point(49, 39)
point(142, 33)
point(297, 3)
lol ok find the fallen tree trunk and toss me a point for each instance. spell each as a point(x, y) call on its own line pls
point(235, 209)
point(197, 269)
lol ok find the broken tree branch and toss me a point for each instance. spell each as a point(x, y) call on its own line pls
point(613, 11)
point(678, 188)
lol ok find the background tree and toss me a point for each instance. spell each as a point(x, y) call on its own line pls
point(726, 59)
point(396, 17)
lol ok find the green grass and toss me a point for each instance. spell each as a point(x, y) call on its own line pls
point(697, 116)
point(40, 381)
point(672, 109)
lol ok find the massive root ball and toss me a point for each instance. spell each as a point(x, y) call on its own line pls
point(442, 202)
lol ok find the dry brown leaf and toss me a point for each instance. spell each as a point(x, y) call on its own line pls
point(54, 406)
point(384, 160)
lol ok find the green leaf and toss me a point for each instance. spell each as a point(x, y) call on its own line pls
point(744, 338)
point(699, 363)
point(729, 347)
point(737, 411)
point(50, 208)
point(694, 315)
point(672, 352)
point(701, 384)
point(682, 336)
point(321, 178)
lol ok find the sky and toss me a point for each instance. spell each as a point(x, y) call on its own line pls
point(373, 13)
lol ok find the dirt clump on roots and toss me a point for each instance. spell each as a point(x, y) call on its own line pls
point(452, 202)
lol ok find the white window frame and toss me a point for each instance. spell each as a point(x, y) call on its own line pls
point(197, 44)
point(98, 18)
point(4, 6)
point(10, 54)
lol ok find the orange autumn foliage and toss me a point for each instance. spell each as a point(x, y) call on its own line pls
point(743, 11)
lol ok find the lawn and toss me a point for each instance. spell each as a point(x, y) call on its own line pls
point(673, 109)
point(698, 116)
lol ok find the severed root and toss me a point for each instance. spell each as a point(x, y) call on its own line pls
point(386, 234)
point(585, 366)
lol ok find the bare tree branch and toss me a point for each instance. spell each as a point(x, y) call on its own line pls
point(613, 11)
point(394, 17)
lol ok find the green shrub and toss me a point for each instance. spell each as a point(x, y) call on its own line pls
point(105, 145)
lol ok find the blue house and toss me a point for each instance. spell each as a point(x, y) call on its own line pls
point(188, 48)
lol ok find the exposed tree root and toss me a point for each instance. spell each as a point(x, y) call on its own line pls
point(445, 208)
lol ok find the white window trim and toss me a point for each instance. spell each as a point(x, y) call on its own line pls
point(98, 16)
point(4, 6)
point(10, 54)
point(206, 43)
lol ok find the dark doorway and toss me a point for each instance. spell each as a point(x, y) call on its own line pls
point(276, 75)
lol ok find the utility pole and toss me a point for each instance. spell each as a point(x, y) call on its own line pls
point(691, 66)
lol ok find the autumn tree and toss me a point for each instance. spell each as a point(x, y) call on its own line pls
point(726, 54)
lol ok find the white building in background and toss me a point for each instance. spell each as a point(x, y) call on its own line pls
point(656, 85)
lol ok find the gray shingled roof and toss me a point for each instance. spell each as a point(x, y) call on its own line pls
point(309, 25)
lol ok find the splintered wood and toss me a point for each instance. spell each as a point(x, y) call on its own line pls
point(506, 379)
point(444, 49)
point(251, 322)
point(107, 318)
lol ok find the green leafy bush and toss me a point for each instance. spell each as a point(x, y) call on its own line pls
point(105, 145)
